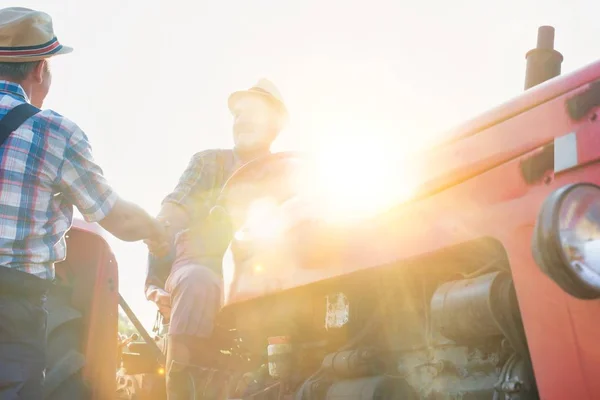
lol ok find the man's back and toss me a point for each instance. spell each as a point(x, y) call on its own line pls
point(45, 169)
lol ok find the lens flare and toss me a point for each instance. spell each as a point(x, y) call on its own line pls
point(359, 178)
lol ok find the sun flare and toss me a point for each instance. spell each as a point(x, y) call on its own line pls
point(360, 176)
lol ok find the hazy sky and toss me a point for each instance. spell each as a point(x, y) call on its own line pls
point(148, 80)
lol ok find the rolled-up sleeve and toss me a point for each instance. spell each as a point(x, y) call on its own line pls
point(82, 180)
point(195, 180)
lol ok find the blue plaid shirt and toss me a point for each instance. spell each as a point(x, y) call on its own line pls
point(46, 168)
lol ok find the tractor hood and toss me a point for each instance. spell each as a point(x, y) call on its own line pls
point(505, 132)
point(312, 251)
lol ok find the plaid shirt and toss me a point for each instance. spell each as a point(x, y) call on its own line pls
point(46, 168)
point(196, 192)
point(201, 182)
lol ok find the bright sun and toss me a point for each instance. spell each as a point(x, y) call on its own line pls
point(348, 179)
point(360, 176)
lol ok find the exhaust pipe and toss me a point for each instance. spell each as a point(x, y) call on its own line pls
point(543, 62)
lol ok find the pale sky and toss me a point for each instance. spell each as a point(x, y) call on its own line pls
point(148, 80)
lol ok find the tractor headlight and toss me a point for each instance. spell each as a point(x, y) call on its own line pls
point(566, 240)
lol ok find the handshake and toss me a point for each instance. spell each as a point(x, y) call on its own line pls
point(159, 240)
point(159, 245)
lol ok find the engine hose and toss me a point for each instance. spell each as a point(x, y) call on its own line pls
point(503, 375)
point(351, 343)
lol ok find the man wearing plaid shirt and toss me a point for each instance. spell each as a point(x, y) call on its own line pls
point(187, 288)
point(46, 168)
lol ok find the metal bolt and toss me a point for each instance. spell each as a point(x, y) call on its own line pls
point(511, 386)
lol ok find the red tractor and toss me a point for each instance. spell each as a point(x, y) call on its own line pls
point(484, 285)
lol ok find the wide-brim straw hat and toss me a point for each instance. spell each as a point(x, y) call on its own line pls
point(266, 89)
point(27, 35)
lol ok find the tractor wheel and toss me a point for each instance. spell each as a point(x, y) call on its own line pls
point(65, 359)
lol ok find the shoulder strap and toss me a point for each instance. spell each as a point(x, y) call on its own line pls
point(228, 165)
point(15, 118)
point(225, 163)
point(220, 170)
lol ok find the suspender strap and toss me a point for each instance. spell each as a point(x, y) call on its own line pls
point(15, 118)
point(11, 280)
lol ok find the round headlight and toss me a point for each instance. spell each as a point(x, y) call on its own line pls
point(566, 240)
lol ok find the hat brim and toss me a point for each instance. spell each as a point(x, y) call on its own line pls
point(235, 96)
point(17, 59)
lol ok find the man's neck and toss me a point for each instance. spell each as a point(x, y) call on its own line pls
point(248, 155)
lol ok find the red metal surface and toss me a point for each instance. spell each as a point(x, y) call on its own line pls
point(485, 195)
point(524, 102)
point(460, 160)
point(93, 271)
point(588, 144)
point(81, 225)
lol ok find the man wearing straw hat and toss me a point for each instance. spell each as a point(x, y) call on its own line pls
point(187, 287)
point(46, 168)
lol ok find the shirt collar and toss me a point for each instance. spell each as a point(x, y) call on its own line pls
point(242, 157)
point(13, 89)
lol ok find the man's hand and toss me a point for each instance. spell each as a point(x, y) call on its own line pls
point(131, 223)
point(161, 298)
point(158, 249)
point(159, 243)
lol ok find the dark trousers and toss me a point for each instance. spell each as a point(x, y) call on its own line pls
point(23, 321)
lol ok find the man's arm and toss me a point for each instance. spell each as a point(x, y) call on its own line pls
point(82, 182)
point(129, 222)
point(183, 204)
point(186, 203)
point(159, 267)
point(176, 212)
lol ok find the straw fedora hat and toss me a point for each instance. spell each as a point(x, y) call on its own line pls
point(27, 35)
point(265, 89)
